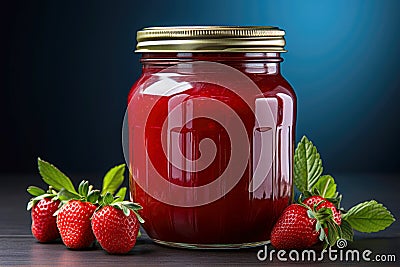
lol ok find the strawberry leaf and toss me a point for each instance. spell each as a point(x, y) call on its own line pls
point(120, 195)
point(368, 217)
point(83, 188)
point(321, 234)
point(326, 186)
point(310, 214)
point(138, 216)
point(54, 177)
point(31, 204)
point(113, 179)
point(347, 231)
point(125, 210)
point(131, 205)
point(318, 226)
point(66, 195)
point(307, 165)
point(127, 207)
point(107, 199)
point(93, 196)
point(35, 191)
point(334, 232)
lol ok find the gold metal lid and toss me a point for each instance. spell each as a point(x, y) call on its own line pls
point(211, 39)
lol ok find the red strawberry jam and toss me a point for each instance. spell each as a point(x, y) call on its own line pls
point(210, 147)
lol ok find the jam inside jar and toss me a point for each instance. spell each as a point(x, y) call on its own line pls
point(211, 137)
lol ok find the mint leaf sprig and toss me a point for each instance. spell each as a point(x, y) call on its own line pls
point(307, 165)
point(366, 217)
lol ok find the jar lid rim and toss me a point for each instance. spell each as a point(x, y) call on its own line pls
point(211, 39)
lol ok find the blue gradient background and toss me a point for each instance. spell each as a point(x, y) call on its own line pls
point(68, 67)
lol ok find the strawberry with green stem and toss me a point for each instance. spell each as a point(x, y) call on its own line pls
point(44, 205)
point(320, 201)
point(302, 225)
point(73, 218)
point(116, 224)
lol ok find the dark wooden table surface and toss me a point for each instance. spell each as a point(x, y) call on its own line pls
point(18, 247)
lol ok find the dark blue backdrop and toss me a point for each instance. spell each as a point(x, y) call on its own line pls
point(67, 67)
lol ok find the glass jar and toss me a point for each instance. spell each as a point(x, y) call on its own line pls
point(211, 126)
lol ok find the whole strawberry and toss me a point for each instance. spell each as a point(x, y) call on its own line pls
point(73, 222)
point(294, 229)
point(43, 205)
point(116, 225)
point(44, 227)
point(73, 219)
point(303, 225)
point(115, 232)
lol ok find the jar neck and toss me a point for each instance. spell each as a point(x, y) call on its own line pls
point(252, 63)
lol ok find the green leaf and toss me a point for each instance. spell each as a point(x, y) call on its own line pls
point(310, 214)
point(127, 207)
point(347, 230)
point(65, 195)
point(31, 203)
point(305, 195)
point(368, 217)
point(307, 165)
point(83, 188)
point(120, 195)
point(107, 199)
point(139, 217)
point(93, 196)
point(333, 232)
point(131, 205)
point(113, 179)
point(321, 234)
point(35, 191)
point(54, 177)
point(318, 226)
point(125, 210)
point(326, 186)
